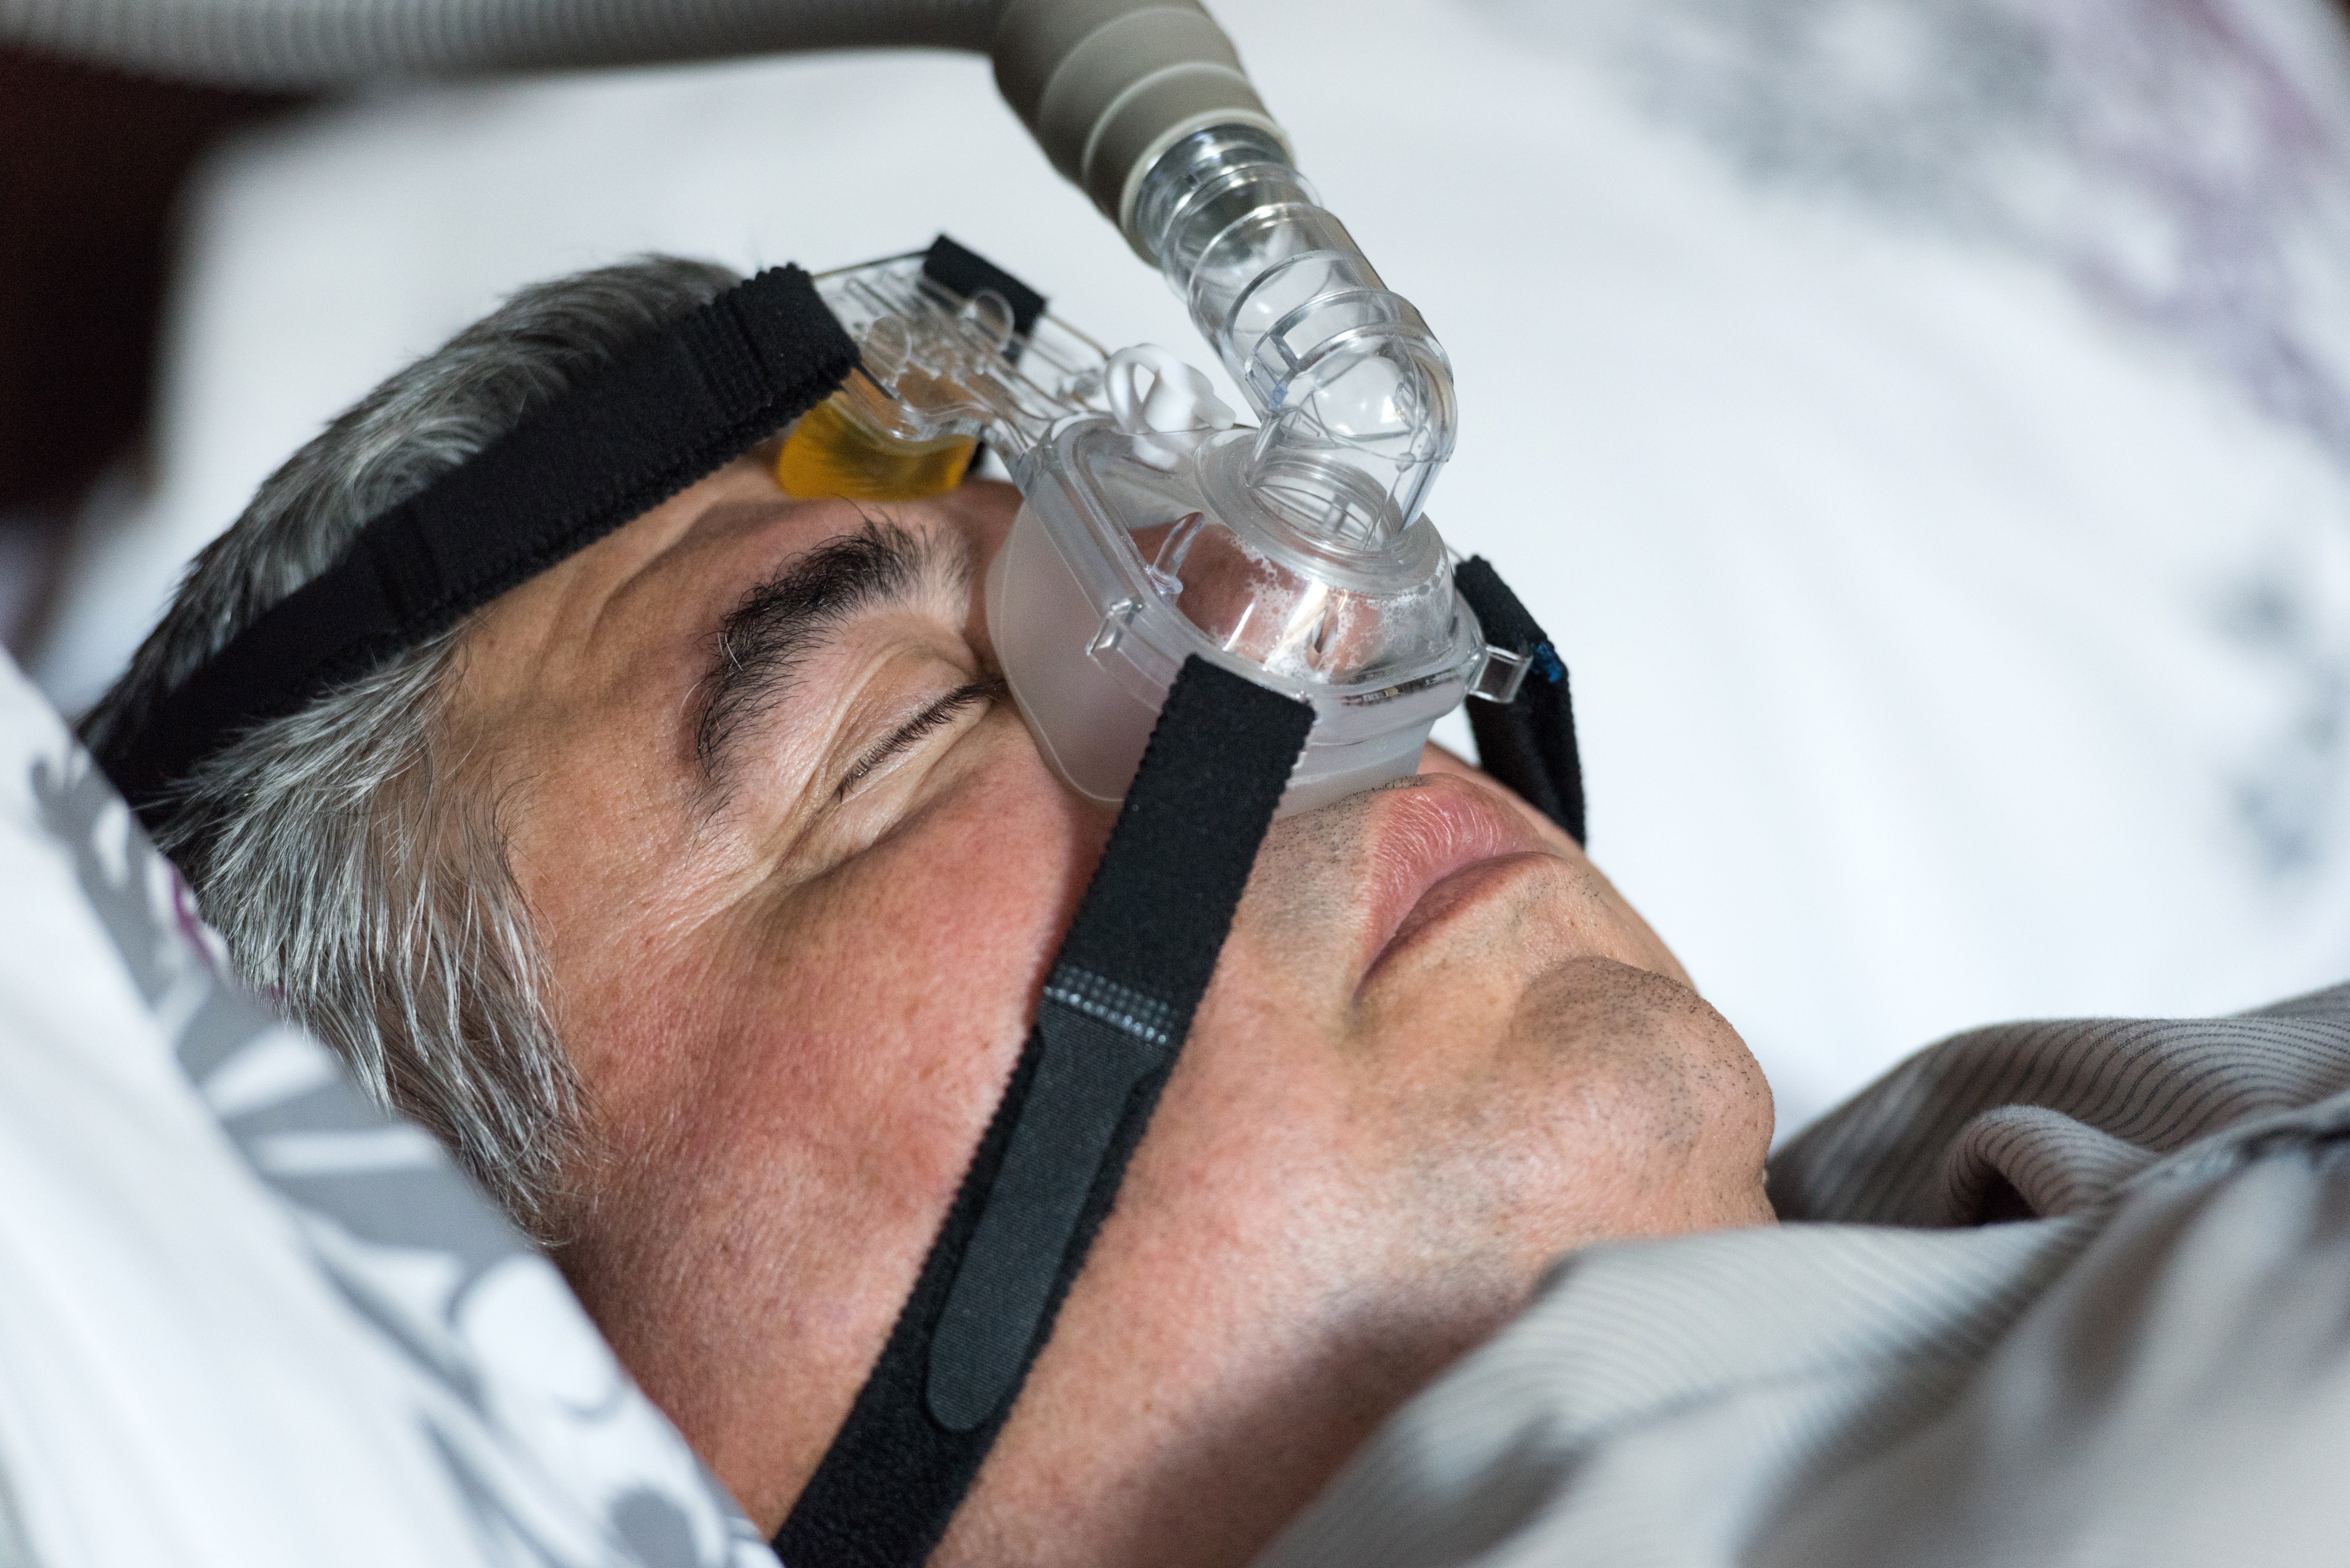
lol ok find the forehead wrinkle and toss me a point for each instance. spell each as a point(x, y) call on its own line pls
point(763, 641)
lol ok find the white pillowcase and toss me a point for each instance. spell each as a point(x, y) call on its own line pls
point(246, 1318)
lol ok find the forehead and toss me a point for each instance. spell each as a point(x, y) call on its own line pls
point(635, 589)
point(704, 528)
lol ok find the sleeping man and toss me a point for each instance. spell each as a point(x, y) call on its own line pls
point(697, 891)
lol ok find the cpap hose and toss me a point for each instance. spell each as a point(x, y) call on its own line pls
point(1142, 103)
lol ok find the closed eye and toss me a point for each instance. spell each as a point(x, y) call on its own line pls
point(910, 733)
point(765, 641)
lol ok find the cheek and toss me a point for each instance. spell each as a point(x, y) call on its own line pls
point(888, 998)
point(792, 1089)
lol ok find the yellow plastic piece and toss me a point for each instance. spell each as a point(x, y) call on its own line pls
point(837, 449)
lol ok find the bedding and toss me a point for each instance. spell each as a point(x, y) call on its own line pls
point(246, 1318)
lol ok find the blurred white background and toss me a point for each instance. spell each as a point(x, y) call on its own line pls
point(1910, 417)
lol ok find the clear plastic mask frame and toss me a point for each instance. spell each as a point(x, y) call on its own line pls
point(1148, 534)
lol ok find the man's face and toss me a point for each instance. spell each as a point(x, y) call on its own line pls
point(798, 871)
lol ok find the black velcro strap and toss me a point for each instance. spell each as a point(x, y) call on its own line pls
point(1527, 744)
point(1113, 1016)
point(966, 272)
point(660, 417)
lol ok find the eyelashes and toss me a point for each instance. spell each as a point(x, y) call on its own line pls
point(910, 733)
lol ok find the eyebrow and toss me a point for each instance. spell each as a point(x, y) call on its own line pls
point(779, 624)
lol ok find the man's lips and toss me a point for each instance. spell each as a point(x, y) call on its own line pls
point(1432, 845)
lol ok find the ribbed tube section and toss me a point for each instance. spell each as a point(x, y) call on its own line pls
point(1354, 391)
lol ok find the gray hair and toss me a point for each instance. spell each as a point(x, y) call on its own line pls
point(350, 859)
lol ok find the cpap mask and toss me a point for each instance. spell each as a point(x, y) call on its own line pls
point(1292, 550)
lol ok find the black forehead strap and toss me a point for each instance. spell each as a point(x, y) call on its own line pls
point(663, 415)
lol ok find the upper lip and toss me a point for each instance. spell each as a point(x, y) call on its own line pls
point(1426, 834)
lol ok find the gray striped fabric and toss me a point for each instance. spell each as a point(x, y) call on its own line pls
point(2147, 1363)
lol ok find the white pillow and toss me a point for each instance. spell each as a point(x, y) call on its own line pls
point(246, 1318)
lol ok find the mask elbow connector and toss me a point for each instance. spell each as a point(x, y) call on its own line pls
point(1295, 552)
point(1353, 391)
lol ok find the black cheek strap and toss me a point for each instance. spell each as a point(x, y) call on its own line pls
point(1528, 742)
point(1112, 1018)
